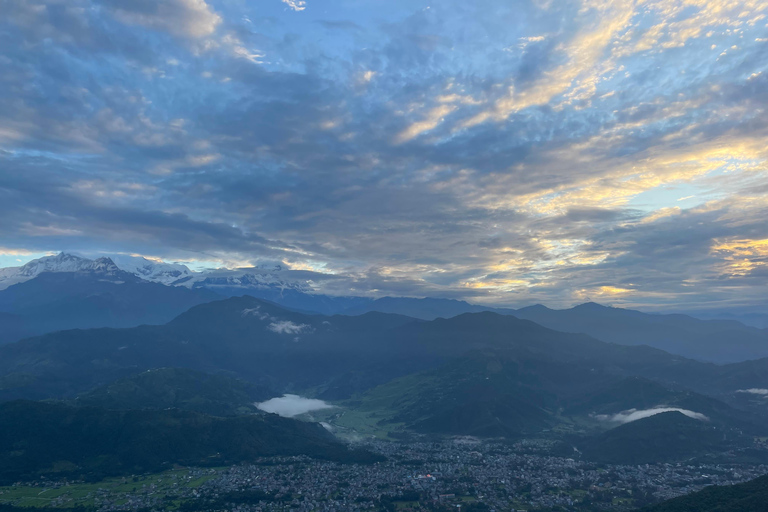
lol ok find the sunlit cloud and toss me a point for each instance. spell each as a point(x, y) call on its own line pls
point(187, 18)
point(742, 257)
point(662, 213)
point(604, 293)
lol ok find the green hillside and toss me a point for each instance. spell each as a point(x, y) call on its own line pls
point(524, 394)
point(640, 393)
point(665, 437)
point(479, 395)
point(750, 496)
point(179, 388)
point(54, 440)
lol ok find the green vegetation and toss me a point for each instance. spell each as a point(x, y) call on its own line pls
point(665, 437)
point(640, 393)
point(83, 495)
point(479, 395)
point(58, 441)
point(750, 496)
point(178, 388)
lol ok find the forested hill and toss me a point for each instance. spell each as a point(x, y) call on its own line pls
point(750, 496)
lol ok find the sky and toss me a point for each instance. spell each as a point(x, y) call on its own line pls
point(502, 152)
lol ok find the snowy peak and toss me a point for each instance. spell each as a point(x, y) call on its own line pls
point(62, 262)
point(158, 272)
point(102, 266)
point(255, 278)
point(271, 281)
point(172, 274)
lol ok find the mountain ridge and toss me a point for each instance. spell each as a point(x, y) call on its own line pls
point(54, 440)
point(250, 337)
point(721, 341)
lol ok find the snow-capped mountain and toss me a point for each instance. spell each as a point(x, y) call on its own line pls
point(271, 278)
point(254, 278)
point(275, 283)
point(163, 273)
point(271, 282)
point(157, 272)
point(62, 262)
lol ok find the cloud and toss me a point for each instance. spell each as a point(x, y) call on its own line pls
point(256, 312)
point(634, 414)
point(754, 391)
point(276, 325)
point(184, 18)
point(296, 5)
point(288, 327)
point(448, 151)
point(742, 257)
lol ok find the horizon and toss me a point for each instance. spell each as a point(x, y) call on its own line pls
point(704, 314)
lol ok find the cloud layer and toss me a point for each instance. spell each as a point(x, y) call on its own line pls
point(634, 414)
point(755, 391)
point(500, 152)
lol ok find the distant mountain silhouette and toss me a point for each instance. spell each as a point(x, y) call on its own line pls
point(722, 341)
point(425, 309)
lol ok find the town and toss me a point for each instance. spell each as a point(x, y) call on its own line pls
point(457, 474)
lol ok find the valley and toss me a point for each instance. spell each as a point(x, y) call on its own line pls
point(419, 475)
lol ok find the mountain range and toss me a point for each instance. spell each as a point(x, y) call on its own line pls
point(424, 309)
point(476, 373)
point(68, 291)
point(86, 294)
point(344, 354)
point(609, 384)
point(722, 341)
